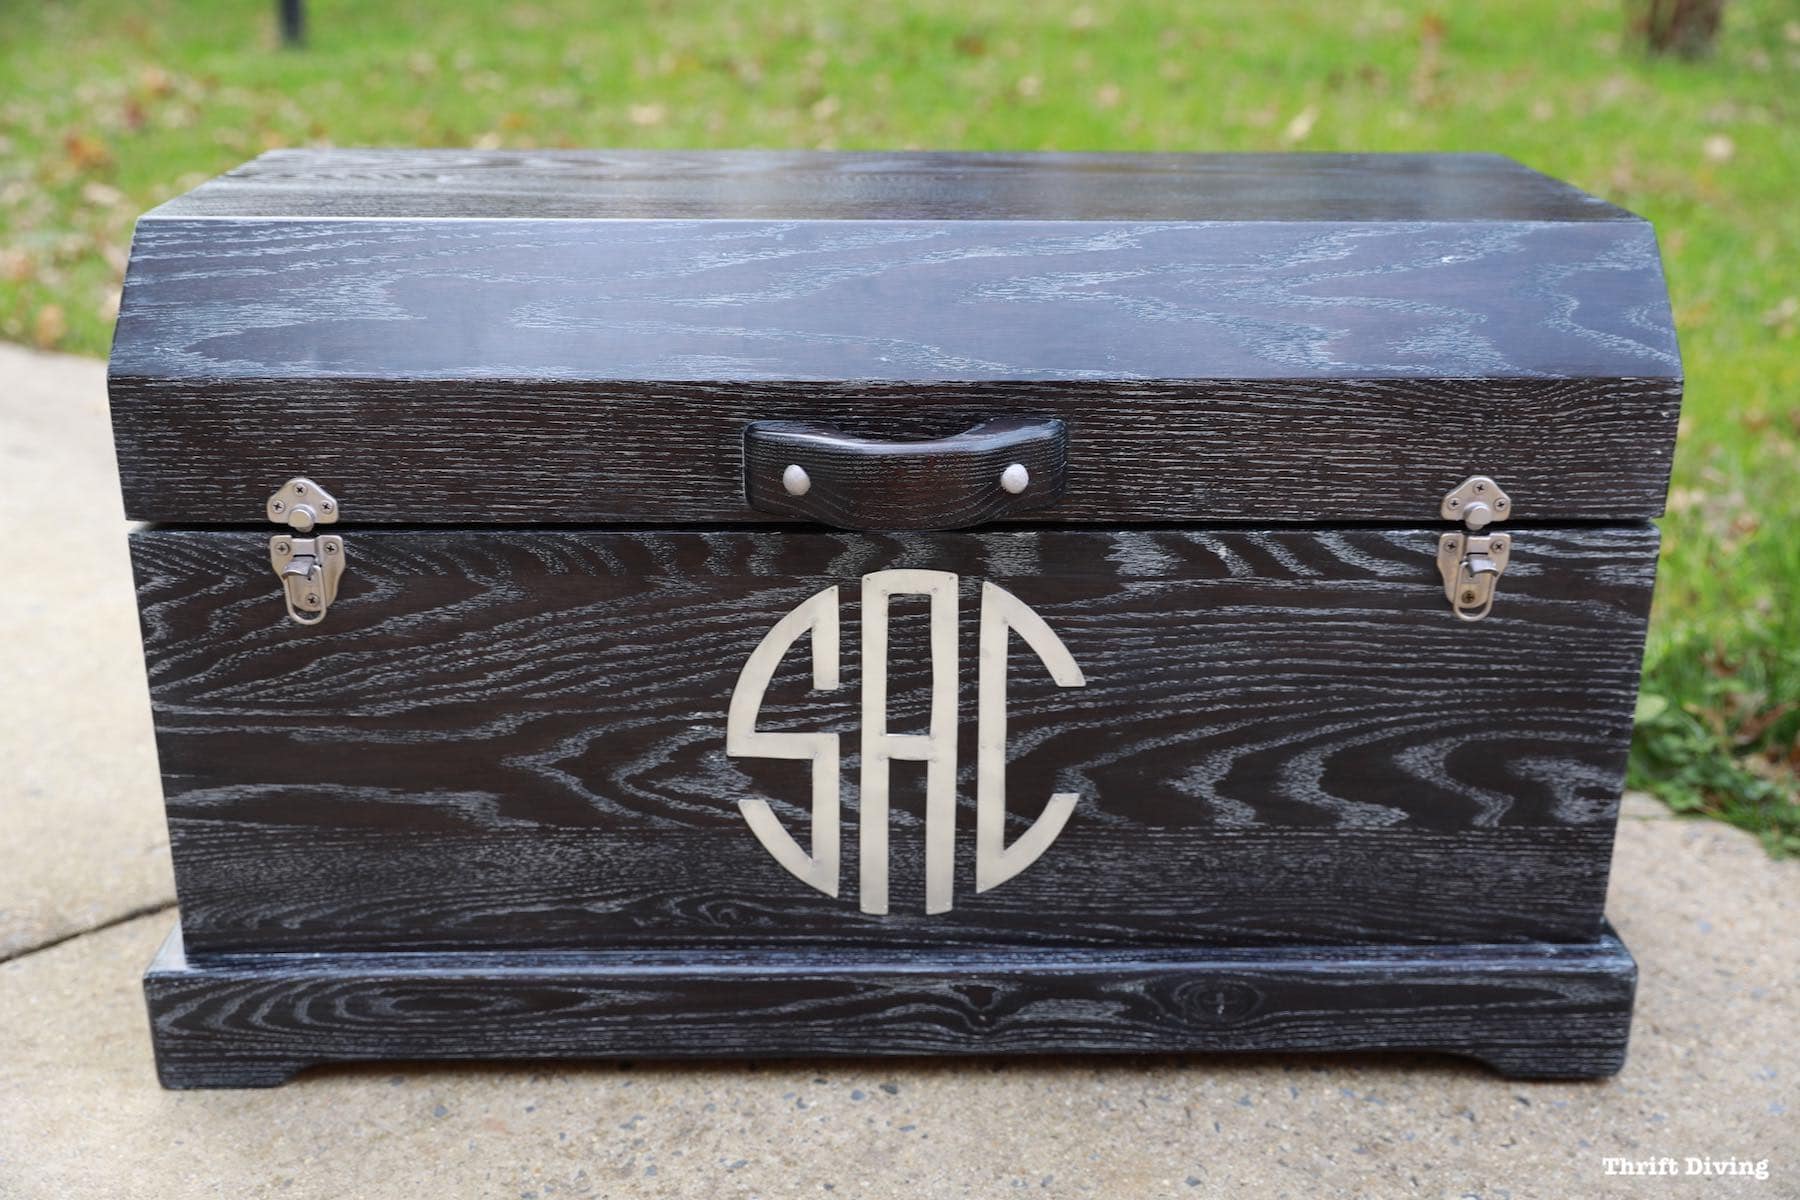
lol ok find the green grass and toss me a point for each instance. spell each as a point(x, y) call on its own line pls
point(106, 109)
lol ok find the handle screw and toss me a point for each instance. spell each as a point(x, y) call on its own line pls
point(1015, 478)
point(795, 480)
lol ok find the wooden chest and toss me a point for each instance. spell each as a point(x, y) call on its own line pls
point(788, 604)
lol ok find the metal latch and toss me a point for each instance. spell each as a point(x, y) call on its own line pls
point(309, 567)
point(1472, 563)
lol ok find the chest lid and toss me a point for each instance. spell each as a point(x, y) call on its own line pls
point(460, 338)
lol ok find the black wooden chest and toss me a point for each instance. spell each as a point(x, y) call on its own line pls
point(765, 603)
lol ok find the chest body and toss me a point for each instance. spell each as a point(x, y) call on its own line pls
point(1068, 576)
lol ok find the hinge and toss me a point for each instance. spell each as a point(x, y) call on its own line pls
point(309, 567)
point(1472, 562)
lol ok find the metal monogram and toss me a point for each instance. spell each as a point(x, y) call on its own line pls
point(1002, 614)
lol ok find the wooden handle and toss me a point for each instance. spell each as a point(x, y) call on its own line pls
point(991, 472)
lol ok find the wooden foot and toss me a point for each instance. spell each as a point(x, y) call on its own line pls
point(1554, 1060)
point(1532, 1010)
point(230, 1068)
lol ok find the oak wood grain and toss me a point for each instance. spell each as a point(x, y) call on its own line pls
point(1533, 1010)
point(475, 453)
point(945, 301)
point(886, 186)
point(1314, 338)
point(517, 737)
point(484, 808)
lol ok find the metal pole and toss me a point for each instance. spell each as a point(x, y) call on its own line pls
point(293, 22)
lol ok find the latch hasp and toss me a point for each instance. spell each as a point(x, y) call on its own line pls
point(309, 567)
point(1472, 562)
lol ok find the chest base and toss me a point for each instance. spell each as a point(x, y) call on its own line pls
point(1532, 1010)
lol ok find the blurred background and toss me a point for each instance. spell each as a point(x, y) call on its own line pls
point(1686, 111)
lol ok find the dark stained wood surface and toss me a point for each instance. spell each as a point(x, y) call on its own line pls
point(1306, 338)
point(1534, 1010)
point(474, 453)
point(943, 301)
point(905, 186)
point(502, 753)
point(516, 738)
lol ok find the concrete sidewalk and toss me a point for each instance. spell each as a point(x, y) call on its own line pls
point(1714, 1068)
point(84, 840)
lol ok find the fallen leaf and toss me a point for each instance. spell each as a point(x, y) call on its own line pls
point(101, 195)
point(1718, 148)
point(646, 115)
point(156, 81)
point(1685, 499)
point(48, 327)
point(85, 152)
point(1301, 125)
point(1108, 95)
point(1613, 88)
point(15, 265)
